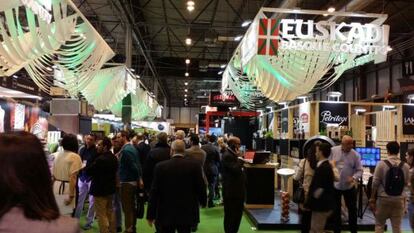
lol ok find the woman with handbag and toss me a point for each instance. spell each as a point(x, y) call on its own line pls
point(304, 175)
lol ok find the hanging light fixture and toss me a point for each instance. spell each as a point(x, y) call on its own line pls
point(334, 95)
point(186, 83)
point(238, 38)
point(331, 9)
point(190, 5)
point(246, 23)
point(185, 90)
point(187, 61)
point(188, 41)
point(186, 74)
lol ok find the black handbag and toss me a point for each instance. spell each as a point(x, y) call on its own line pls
point(299, 193)
point(140, 203)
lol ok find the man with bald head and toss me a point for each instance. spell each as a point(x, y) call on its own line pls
point(234, 186)
point(177, 191)
point(348, 163)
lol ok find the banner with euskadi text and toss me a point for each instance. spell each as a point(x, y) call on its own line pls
point(408, 119)
point(333, 113)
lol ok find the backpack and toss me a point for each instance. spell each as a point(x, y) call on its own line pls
point(394, 179)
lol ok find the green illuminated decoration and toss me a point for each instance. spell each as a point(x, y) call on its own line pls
point(278, 60)
point(66, 41)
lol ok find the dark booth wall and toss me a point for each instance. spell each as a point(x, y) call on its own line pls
point(242, 127)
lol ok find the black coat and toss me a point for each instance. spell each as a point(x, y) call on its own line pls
point(159, 153)
point(177, 191)
point(234, 181)
point(323, 178)
point(212, 163)
point(143, 150)
point(103, 173)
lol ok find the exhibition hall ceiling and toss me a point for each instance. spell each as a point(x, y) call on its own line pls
point(160, 29)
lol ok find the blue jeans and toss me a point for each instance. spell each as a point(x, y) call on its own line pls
point(212, 180)
point(411, 214)
point(83, 193)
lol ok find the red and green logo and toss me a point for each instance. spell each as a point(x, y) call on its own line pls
point(268, 37)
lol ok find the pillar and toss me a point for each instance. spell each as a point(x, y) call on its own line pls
point(126, 102)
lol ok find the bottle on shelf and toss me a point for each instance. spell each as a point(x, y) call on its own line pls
point(303, 132)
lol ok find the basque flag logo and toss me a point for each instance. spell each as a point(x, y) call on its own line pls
point(268, 37)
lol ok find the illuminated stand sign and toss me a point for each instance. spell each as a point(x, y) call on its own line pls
point(284, 55)
point(347, 38)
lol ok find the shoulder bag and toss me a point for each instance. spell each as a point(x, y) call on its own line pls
point(299, 193)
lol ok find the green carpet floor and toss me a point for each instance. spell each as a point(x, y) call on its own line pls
point(211, 222)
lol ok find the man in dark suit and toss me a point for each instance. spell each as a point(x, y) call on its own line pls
point(159, 153)
point(142, 148)
point(234, 186)
point(211, 167)
point(177, 191)
point(321, 199)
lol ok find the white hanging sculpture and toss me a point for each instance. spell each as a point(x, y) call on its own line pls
point(110, 85)
point(40, 35)
point(143, 106)
point(281, 59)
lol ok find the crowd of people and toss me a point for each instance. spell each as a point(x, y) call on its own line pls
point(330, 175)
point(175, 175)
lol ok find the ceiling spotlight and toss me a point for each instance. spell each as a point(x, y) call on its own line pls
point(387, 107)
point(223, 66)
point(325, 15)
point(220, 72)
point(185, 90)
point(190, 5)
point(15, 76)
point(185, 99)
point(238, 38)
point(246, 23)
point(186, 83)
point(132, 69)
point(360, 109)
point(185, 95)
point(331, 9)
point(188, 41)
point(187, 61)
point(186, 74)
point(49, 69)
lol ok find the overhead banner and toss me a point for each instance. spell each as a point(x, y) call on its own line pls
point(285, 120)
point(304, 116)
point(333, 113)
point(282, 57)
point(408, 119)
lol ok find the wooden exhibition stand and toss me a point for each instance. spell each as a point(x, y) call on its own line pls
point(388, 126)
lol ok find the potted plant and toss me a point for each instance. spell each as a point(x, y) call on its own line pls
point(268, 140)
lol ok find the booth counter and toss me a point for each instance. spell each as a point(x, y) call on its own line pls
point(260, 188)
